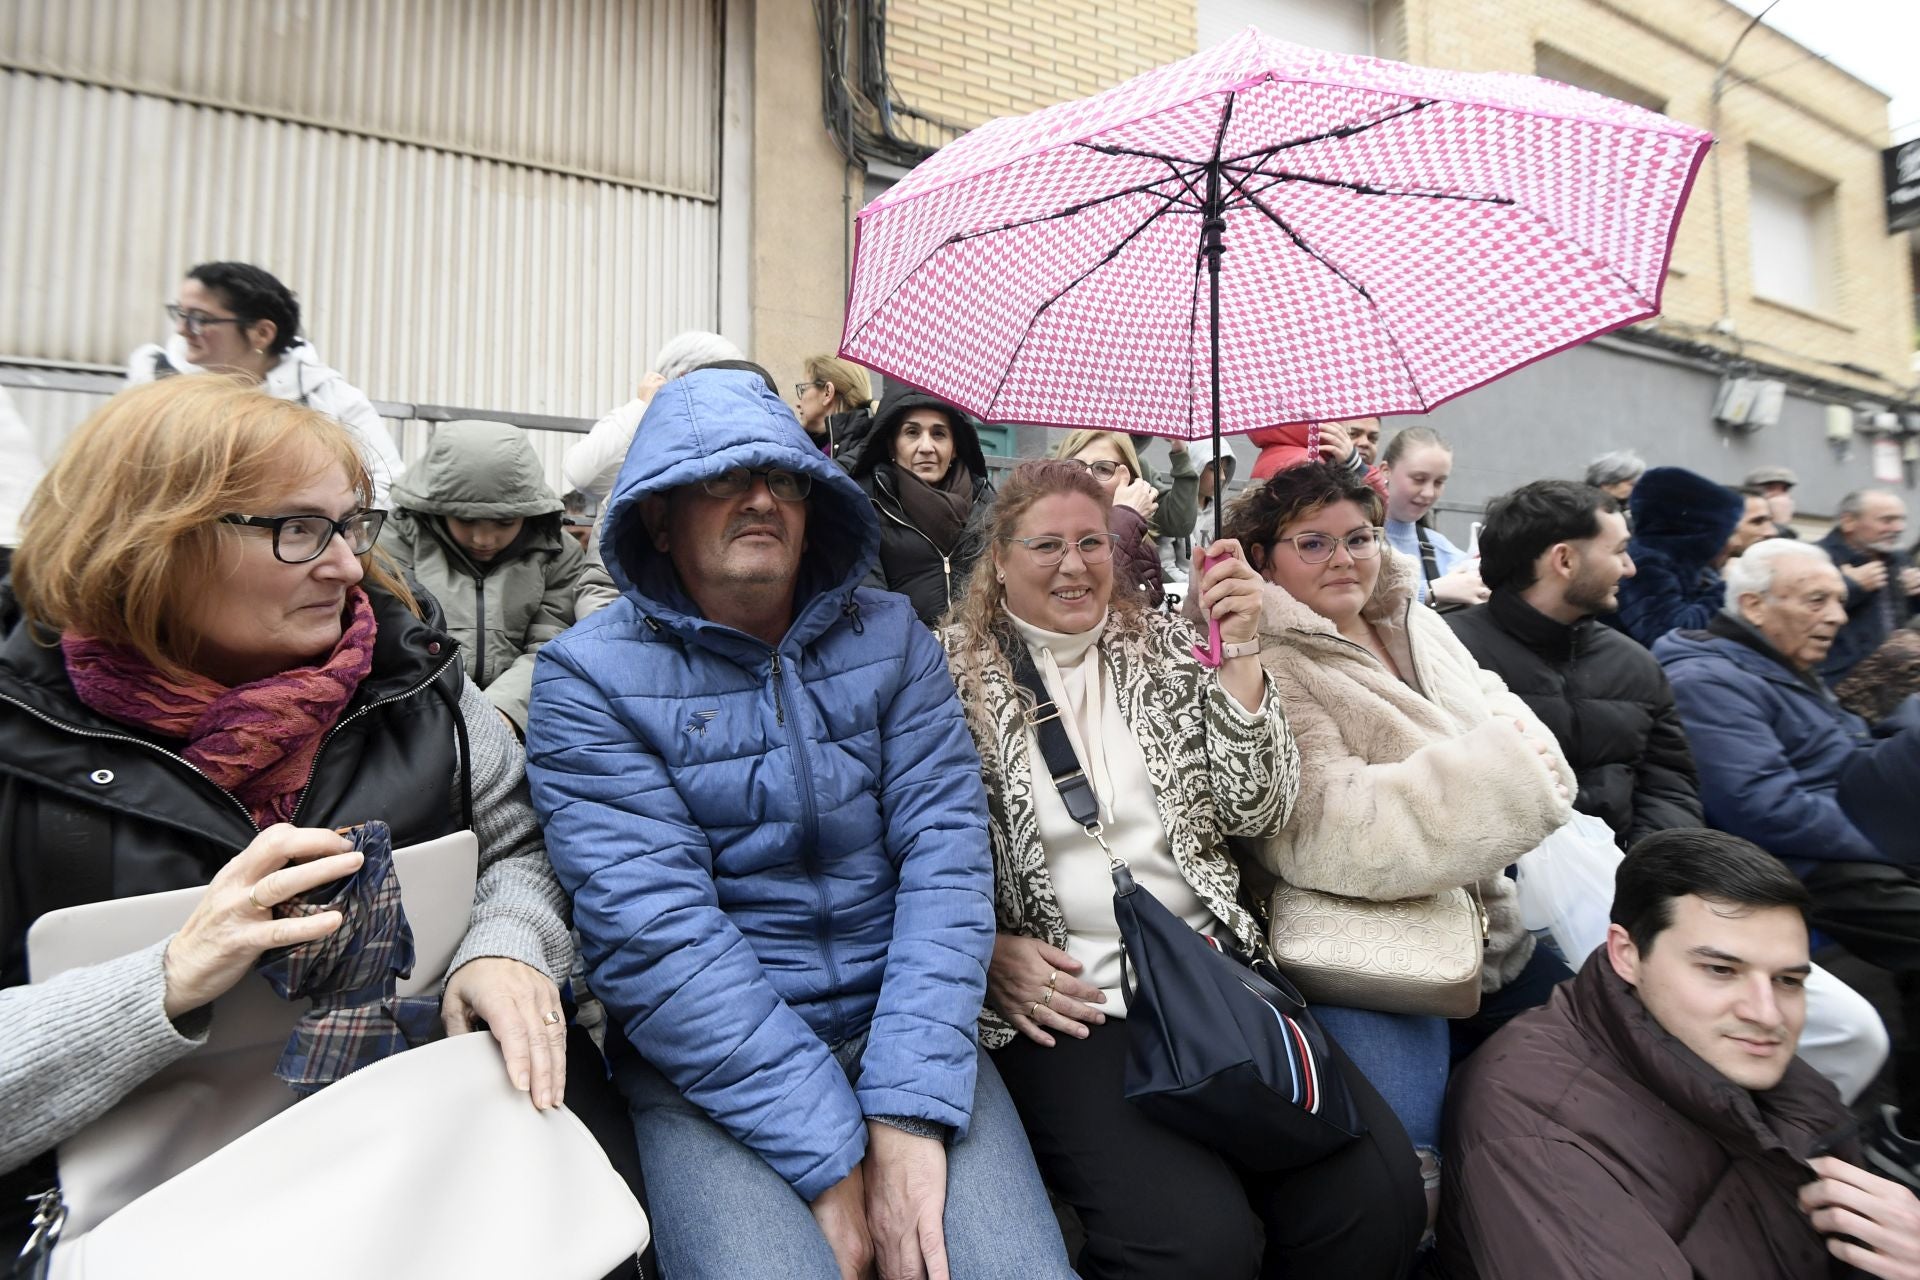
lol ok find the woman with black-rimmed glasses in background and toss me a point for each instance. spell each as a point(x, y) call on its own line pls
point(238, 319)
point(1180, 758)
point(1116, 465)
point(213, 670)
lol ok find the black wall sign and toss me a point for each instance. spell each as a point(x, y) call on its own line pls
point(1902, 167)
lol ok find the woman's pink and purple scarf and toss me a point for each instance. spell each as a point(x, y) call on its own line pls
point(255, 740)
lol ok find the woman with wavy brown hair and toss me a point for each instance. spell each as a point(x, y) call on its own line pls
point(1180, 757)
point(212, 657)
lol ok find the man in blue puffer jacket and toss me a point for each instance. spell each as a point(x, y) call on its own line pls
point(758, 787)
point(1773, 746)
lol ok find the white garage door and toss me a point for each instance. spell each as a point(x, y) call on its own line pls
point(498, 204)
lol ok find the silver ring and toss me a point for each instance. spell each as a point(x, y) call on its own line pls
point(1047, 999)
point(552, 1017)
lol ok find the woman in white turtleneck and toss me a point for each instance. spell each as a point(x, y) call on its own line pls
point(1180, 757)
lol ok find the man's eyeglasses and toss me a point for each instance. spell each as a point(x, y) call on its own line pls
point(1317, 548)
point(1103, 470)
point(788, 486)
point(1050, 549)
point(197, 322)
point(801, 388)
point(298, 539)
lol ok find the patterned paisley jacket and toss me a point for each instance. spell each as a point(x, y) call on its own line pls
point(1216, 772)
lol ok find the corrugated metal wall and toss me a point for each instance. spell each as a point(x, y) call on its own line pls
point(502, 204)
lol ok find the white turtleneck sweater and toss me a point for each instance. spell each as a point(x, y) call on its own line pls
point(1082, 686)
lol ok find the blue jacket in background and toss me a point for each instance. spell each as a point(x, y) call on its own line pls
point(1878, 789)
point(770, 851)
point(1872, 616)
point(1681, 523)
point(1770, 744)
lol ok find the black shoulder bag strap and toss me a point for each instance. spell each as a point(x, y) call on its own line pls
point(1069, 778)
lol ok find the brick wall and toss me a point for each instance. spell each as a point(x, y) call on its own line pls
point(968, 61)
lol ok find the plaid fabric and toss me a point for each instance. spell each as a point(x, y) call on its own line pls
point(351, 975)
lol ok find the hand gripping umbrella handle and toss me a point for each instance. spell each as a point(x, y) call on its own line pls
point(1208, 655)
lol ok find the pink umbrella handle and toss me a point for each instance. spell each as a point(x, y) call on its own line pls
point(1208, 655)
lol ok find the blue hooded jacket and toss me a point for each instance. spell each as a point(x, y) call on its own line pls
point(1681, 523)
point(1771, 746)
point(770, 851)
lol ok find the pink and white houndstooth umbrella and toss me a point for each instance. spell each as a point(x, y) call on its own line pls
point(1381, 238)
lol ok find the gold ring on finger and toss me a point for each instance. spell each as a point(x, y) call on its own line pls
point(1033, 1012)
point(257, 904)
point(1047, 999)
point(1053, 976)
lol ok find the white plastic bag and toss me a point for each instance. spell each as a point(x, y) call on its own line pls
point(1566, 886)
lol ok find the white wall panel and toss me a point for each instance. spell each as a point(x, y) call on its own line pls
point(425, 273)
point(623, 88)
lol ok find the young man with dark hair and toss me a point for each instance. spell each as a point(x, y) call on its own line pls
point(1653, 1120)
point(1554, 553)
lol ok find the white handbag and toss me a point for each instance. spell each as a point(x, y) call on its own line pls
point(427, 1164)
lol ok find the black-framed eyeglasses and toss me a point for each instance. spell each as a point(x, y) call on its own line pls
point(298, 539)
point(196, 322)
point(1049, 549)
point(801, 388)
point(1317, 548)
point(1102, 469)
point(787, 486)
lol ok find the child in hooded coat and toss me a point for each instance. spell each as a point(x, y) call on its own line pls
point(477, 525)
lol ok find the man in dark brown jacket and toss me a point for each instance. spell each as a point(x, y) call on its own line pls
point(1652, 1121)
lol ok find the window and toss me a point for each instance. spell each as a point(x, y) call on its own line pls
point(1339, 26)
point(1550, 63)
point(1790, 217)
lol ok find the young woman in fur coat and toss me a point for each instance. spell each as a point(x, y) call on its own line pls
point(1419, 771)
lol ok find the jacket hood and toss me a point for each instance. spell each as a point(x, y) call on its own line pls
point(1684, 514)
point(705, 424)
point(477, 470)
point(298, 373)
point(899, 401)
point(1677, 648)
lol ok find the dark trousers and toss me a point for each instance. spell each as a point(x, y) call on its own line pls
point(1873, 910)
point(1158, 1204)
point(1531, 987)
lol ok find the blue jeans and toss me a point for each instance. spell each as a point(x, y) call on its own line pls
point(1404, 1056)
point(720, 1211)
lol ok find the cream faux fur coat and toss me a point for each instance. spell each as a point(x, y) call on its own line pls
point(1407, 789)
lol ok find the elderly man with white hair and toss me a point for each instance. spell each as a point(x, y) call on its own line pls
point(1772, 745)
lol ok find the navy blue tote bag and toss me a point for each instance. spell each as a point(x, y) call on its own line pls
point(1221, 1050)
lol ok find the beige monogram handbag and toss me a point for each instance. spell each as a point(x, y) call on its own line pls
point(1421, 955)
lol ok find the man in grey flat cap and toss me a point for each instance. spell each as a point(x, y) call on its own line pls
point(1775, 484)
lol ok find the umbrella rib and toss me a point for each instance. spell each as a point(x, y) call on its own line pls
point(1014, 357)
point(1145, 188)
point(1110, 149)
point(1344, 131)
point(1362, 188)
point(1345, 279)
point(959, 237)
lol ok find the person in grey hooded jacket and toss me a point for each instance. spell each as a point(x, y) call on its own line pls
point(478, 526)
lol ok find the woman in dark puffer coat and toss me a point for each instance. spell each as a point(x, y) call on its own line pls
point(924, 472)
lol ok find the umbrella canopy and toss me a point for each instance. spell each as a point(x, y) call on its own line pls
point(1386, 237)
